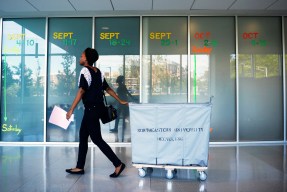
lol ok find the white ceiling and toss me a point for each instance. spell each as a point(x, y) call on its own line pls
point(10, 8)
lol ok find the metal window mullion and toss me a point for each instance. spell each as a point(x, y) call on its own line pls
point(93, 31)
point(141, 62)
point(284, 79)
point(1, 35)
point(237, 79)
point(46, 80)
point(93, 46)
point(188, 61)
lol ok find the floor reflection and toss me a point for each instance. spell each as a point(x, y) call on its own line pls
point(231, 168)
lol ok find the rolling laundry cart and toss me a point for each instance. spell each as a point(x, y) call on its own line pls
point(170, 136)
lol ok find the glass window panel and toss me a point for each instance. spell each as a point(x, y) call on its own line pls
point(23, 78)
point(213, 72)
point(260, 79)
point(164, 60)
point(117, 41)
point(67, 40)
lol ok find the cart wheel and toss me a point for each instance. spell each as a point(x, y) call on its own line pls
point(142, 172)
point(169, 174)
point(175, 171)
point(149, 170)
point(202, 175)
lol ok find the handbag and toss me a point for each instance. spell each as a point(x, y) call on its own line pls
point(109, 113)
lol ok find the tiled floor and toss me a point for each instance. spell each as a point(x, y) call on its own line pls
point(231, 168)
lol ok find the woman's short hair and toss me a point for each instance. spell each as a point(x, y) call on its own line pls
point(91, 55)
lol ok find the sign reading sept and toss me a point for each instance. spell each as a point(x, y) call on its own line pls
point(17, 40)
point(67, 38)
point(115, 39)
point(165, 38)
point(117, 35)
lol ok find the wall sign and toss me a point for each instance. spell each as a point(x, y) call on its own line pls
point(117, 36)
point(207, 43)
point(66, 38)
point(254, 39)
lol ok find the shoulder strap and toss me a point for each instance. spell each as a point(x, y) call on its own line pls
point(102, 75)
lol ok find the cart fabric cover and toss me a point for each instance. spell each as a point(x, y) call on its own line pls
point(170, 134)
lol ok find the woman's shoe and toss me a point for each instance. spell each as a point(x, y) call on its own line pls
point(71, 171)
point(114, 175)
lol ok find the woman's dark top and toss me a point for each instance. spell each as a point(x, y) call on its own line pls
point(93, 83)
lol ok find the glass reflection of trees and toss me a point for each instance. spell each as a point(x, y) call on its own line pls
point(259, 65)
point(22, 96)
point(128, 65)
point(168, 76)
point(200, 78)
point(165, 78)
point(63, 83)
point(66, 78)
point(62, 88)
point(20, 82)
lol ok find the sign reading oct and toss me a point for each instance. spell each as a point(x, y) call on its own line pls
point(250, 35)
point(109, 35)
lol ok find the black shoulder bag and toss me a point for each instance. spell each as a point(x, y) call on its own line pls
point(109, 113)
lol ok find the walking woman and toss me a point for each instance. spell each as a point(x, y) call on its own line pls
point(91, 85)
